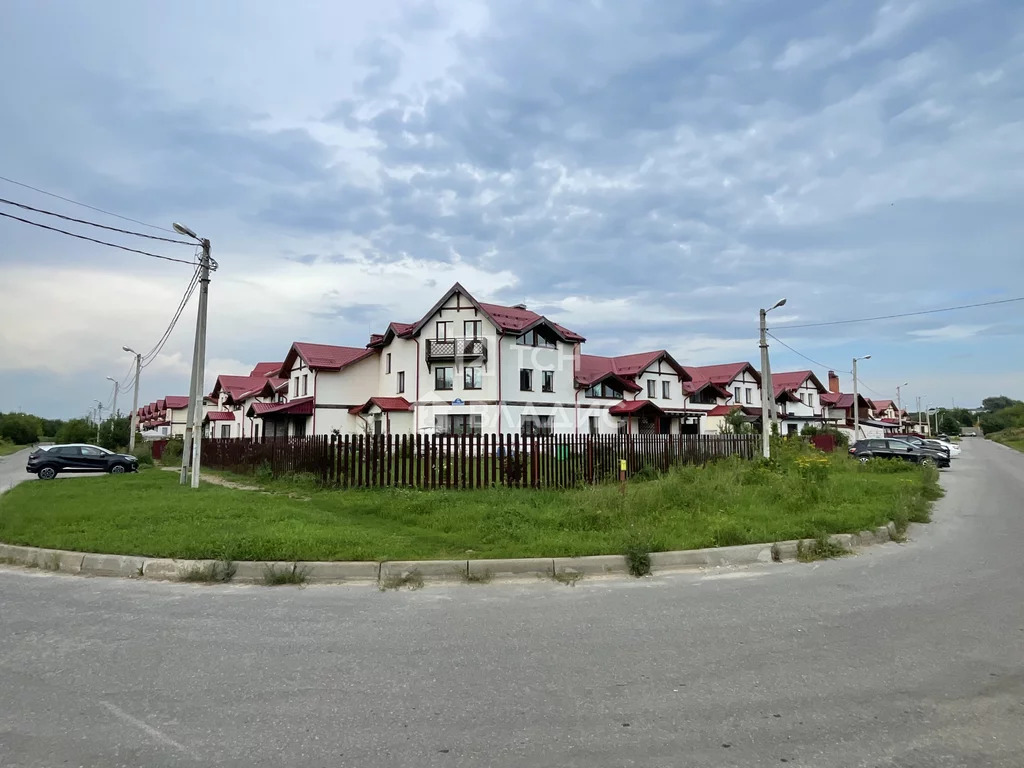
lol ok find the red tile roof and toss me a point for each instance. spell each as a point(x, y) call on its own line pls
point(518, 319)
point(725, 410)
point(220, 416)
point(693, 387)
point(593, 368)
point(789, 380)
point(629, 407)
point(303, 406)
point(237, 386)
point(384, 403)
point(721, 374)
point(844, 400)
point(265, 369)
point(324, 356)
point(882, 405)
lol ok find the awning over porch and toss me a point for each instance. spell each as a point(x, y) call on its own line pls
point(220, 416)
point(303, 406)
point(386, 404)
point(635, 408)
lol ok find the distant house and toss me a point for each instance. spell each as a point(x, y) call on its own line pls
point(718, 390)
point(164, 418)
point(234, 397)
point(798, 398)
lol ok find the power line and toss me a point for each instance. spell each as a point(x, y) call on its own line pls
point(84, 205)
point(805, 357)
point(902, 314)
point(150, 356)
point(93, 223)
point(94, 240)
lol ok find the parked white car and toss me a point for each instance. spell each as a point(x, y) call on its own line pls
point(953, 448)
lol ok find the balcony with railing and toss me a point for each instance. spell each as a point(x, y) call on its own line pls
point(456, 350)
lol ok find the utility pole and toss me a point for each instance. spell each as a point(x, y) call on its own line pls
point(767, 392)
point(99, 419)
point(856, 404)
point(899, 407)
point(135, 398)
point(117, 388)
point(918, 419)
point(191, 455)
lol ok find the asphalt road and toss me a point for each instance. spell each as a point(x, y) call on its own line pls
point(12, 471)
point(905, 655)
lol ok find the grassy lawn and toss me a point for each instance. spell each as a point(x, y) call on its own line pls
point(731, 502)
point(6, 449)
point(1011, 437)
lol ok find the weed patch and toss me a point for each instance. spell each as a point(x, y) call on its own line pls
point(273, 576)
point(216, 572)
point(411, 580)
point(482, 577)
point(820, 548)
point(569, 578)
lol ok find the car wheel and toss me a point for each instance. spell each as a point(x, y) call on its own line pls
point(117, 469)
point(927, 462)
point(864, 459)
point(47, 473)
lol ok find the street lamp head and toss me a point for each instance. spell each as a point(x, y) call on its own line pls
point(130, 350)
point(111, 378)
point(181, 229)
point(866, 357)
point(779, 303)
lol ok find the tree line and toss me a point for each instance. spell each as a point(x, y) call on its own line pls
point(28, 429)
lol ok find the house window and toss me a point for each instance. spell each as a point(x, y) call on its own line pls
point(666, 389)
point(747, 393)
point(296, 394)
point(604, 390)
point(810, 399)
point(547, 382)
point(444, 330)
point(443, 378)
point(387, 363)
point(535, 338)
point(305, 384)
point(736, 394)
point(459, 424)
point(378, 423)
point(594, 422)
point(526, 379)
point(623, 426)
point(801, 396)
point(652, 389)
point(401, 382)
point(472, 378)
point(472, 329)
point(225, 430)
point(536, 425)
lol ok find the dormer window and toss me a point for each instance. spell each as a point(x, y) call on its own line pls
point(537, 337)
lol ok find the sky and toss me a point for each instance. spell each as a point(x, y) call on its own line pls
point(648, 173)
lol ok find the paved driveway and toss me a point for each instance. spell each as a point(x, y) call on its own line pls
point(904, 656)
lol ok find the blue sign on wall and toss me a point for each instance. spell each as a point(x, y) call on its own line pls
point(458, 401)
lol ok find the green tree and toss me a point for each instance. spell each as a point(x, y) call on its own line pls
point(998, 403)
point(50, 427)
point(949, 424)
point(114, 433)
point(76, 431)
point(736, 423)
point(20, 428)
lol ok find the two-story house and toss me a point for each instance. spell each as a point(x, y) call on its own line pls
point(718, 390)
point(234, 397)
point(469, 367)
point(798, 400)
point(639, 393)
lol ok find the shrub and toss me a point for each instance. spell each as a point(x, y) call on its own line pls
point(173, 450)
point(887, 466)
point(144, 453)
point(645, 474)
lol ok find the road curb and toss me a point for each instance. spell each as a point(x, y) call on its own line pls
point(414, 573)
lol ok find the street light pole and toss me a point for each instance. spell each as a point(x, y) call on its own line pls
point(856, 404)
point(117, 388)
point(135, 398)
point(918, 419)
point(767, 392)
point(193, 429)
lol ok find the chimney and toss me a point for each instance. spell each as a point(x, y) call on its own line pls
point(833, 383)
point(518, 306)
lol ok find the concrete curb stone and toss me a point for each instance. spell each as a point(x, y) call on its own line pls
point(389, 572)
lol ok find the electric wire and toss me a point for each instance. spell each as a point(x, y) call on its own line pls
point(93, 223)
point(901, 314)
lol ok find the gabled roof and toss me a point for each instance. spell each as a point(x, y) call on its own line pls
point(790, 380)
point(507, 319)
point(176, 401)
point(384, 403)
point(325, 357)
point(630, 407)
point(721, 374)
point(236, 386)
point(271, 386)
point(694, 387)
point(881, 405)
point(844, 400)
point(220, 416)
point(592, 369)
point(265, 369)
point(725, 410)
point(401, 330)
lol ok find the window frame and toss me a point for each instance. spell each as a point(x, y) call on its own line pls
point(478, 329)
point(400, 382)
point(540, 424)
point(444, 325)
point(547, 381)
point(450, 378)
point(666, 390)
point(526, 374)
point(477, 376)
point(652, 389)
point(736, 395)
point(387, 363)
point(305, 384)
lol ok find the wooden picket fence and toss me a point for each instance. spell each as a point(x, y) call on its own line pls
point(470, 461)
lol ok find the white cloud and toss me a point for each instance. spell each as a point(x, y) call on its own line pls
point(949, 332)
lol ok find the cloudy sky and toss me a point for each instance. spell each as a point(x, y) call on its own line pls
point(649, 173)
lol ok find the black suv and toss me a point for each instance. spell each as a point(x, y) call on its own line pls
point(898, 449)
point(48, 461)
point(923, 442)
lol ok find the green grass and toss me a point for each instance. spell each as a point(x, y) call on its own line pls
point(6, 448)
point(732, 502)
point(1014, 438)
